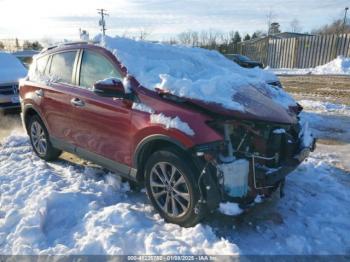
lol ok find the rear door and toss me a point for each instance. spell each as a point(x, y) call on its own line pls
point(56, 105)
point(102, 123)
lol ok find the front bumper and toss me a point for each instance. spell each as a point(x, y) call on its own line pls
point(9, 102)
point(7, 106)
point(265, 178)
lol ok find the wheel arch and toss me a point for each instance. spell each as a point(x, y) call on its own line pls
point(149, 145)
point(28, 112)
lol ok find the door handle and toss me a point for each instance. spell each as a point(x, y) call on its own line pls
point(77, 102)
point(39, 92)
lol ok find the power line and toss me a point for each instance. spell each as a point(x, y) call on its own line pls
point(102, 22)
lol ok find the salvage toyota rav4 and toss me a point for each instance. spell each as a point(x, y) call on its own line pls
point(192, 126)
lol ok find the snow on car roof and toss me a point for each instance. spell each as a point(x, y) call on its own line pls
point(193, 73)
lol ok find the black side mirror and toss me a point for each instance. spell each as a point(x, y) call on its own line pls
point(110, 87)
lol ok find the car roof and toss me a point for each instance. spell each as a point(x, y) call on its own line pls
point(70, 46)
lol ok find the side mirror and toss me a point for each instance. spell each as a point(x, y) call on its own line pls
point(110, 87)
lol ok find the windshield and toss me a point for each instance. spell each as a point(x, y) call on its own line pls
point(243, 58)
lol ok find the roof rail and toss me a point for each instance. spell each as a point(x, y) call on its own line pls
point(67, 44)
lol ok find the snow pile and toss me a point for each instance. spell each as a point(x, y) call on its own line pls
point(172, 122)
point(108, 81)
point(142, 107)
point(65, 208)
point(60, 208)
point(306, 135)
point(338, 66)
point(327, 120)
point(40, 78)
point(166, 121)
point(230, 209)
point(325, 107)
point(113, 81)
point(11, 69)
point(193, 73)
point(279, 131)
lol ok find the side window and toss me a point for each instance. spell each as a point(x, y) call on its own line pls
point(37, 69)
point(95, 67)
point(62, 66)
point(41, 64)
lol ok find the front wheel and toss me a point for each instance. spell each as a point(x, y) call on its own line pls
point(39, 138)
point(172, 188)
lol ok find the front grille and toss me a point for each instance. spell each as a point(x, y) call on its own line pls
point(9, 89)
point(10, 105)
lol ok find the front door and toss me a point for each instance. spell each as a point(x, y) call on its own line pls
point(102, 123)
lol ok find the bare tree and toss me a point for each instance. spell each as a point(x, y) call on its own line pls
point(213, 38)
point(270, 16)
point(172, 41)
point(336, 27)
point(144, 34)
point(194, 38)
point(185, 38)
point(295, 26)
point(203, 36)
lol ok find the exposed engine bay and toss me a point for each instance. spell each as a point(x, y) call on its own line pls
point(255, 157)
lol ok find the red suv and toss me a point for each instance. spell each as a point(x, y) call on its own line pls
point(190, 155)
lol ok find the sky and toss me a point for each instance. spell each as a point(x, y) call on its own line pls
point(162, 19)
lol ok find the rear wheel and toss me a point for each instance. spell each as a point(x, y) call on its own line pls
point(172, 187)
point(40, 141)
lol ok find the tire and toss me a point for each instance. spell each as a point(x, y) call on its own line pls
point(180, 189)
point(40, 140)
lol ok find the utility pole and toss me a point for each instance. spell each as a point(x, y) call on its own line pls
point(102, 21)
point(344, 23)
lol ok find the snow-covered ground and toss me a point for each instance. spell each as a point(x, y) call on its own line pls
point(338, 66)
point(65, 208)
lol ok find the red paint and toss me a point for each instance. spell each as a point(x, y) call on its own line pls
point(111, 128)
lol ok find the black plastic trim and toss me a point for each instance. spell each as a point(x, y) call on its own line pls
point(114, 166)
point(152, 138)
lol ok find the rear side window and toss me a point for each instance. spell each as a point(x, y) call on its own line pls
point(62, 66)
point(41, 64)
point(37, 69)
point(96, 67)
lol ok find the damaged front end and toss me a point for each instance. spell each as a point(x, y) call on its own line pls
point(253, 159)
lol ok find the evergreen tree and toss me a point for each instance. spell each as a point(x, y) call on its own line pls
point(247, 37)
point(254, 36)
point(237, 38)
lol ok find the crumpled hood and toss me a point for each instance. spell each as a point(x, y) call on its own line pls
point(258, 106)
point(205, 77)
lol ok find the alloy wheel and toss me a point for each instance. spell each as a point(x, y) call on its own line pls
point(170, 189)
point(38, 138)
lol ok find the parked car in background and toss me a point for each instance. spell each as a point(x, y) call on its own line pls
point(25, 56)
point(144, 111)
point(244, 61)
point(11, 70)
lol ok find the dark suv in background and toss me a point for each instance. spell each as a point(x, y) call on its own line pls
point(79, 98)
